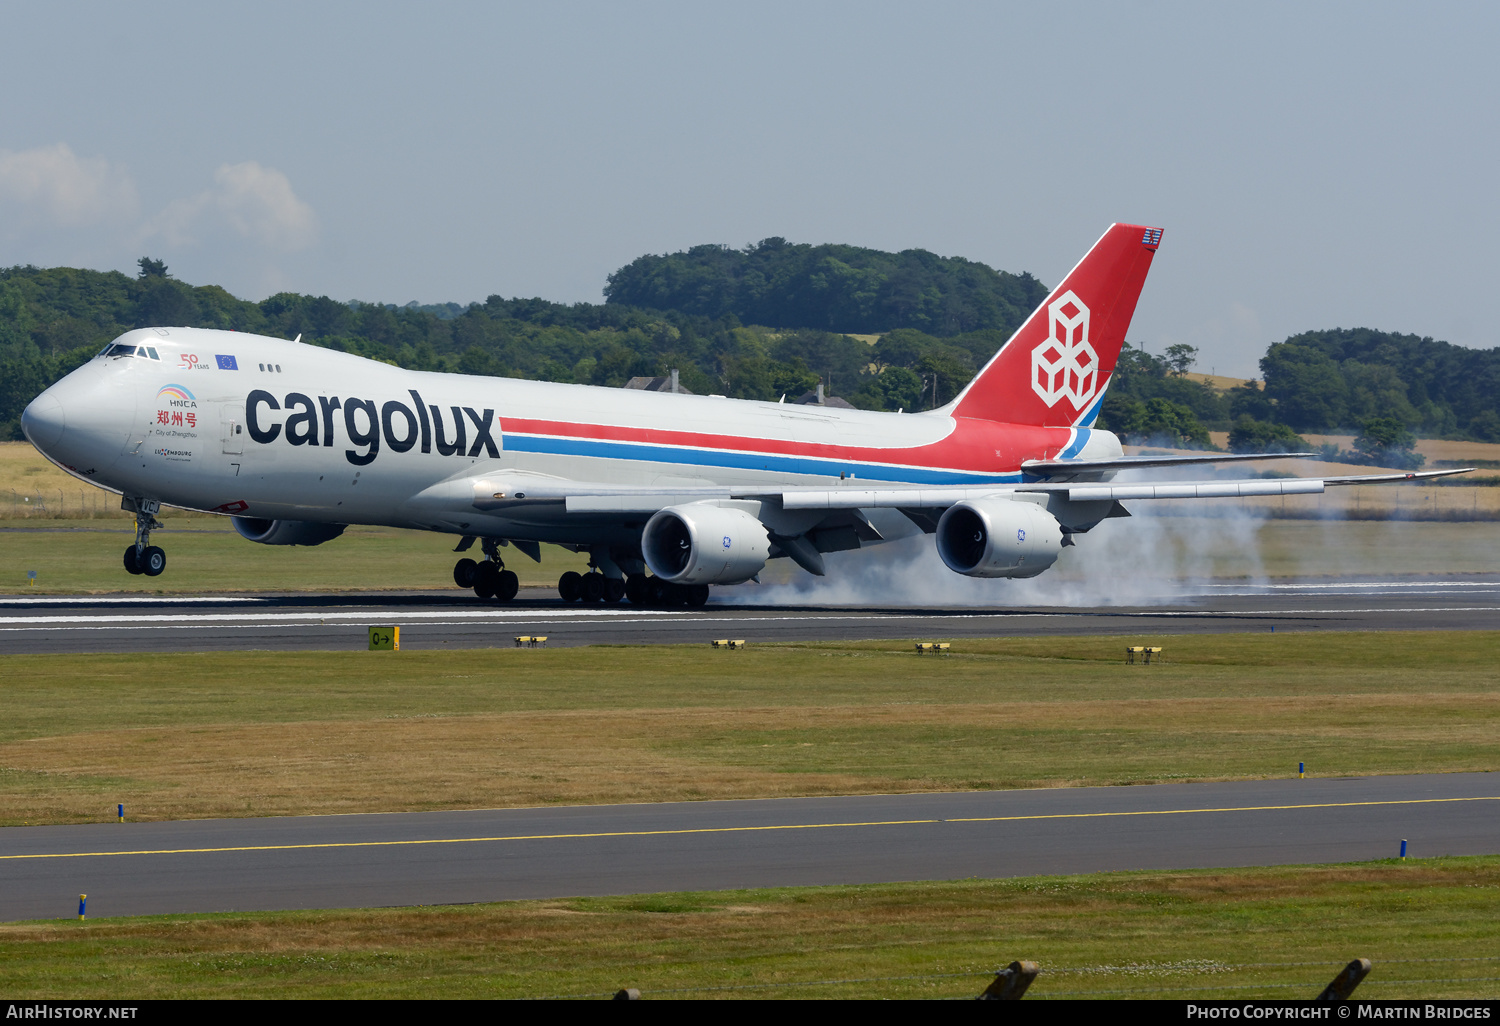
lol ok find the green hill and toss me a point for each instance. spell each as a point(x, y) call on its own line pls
point(832, 288)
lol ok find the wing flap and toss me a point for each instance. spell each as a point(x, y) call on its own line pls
point(1197, 489)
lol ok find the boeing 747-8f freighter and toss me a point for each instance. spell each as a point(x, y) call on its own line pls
point(295, 443)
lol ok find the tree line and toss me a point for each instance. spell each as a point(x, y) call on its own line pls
point(777, 319)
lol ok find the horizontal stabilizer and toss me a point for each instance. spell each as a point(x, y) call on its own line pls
point(1056, 467)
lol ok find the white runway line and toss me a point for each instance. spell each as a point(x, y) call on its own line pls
point(499, 616)
point(117, 600)
point(1371, 585)
point(257, 621)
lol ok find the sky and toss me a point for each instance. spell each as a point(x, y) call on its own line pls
point(1313, 165)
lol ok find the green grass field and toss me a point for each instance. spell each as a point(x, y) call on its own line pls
point(254, 734)
point(1428, 926)
point(205, 555)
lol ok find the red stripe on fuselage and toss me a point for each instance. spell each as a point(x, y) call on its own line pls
point(977, 446)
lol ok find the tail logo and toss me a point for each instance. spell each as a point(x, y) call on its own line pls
point(1065, 365)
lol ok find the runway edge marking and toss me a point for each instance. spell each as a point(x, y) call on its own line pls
point(736, 829)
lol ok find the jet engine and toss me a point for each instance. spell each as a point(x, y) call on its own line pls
point(286, 532)
point(702, 544)
point(998, 538)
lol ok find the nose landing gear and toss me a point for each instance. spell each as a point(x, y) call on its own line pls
point(143, 557)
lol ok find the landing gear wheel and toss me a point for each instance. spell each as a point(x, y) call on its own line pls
point(506, 585)
point(593, 588)
point(614, 591)
point(636, 586)
point(153, 561)
point(463, 573)
point(697, 596)
point(570, 586)
point(131, 565)
point(486, 579)
point(657, 592)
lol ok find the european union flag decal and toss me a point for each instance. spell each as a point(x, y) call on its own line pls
point(227, 363)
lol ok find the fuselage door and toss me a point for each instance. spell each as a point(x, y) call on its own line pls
point(233, 428)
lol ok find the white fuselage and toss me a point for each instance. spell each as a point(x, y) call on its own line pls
point(259, 427)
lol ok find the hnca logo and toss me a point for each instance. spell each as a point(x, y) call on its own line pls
point(1065, 366)
point(176, 395)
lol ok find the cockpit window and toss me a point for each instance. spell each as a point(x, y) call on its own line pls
point(142, 352)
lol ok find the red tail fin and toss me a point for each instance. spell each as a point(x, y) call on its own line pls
point(1054, 370)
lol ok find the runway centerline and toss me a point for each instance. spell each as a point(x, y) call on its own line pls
point(743, 829)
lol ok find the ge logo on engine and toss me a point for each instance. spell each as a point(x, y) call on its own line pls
point(726, 541)
point(1020, 534)
point(1065, 366)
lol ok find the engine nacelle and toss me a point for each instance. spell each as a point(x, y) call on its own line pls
point(998, 538)
point(286, 532)
point(702, 544)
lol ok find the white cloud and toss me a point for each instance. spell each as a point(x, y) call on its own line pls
point(52, 185)
point(254, 202)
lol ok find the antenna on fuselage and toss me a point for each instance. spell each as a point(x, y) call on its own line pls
point(298, 338)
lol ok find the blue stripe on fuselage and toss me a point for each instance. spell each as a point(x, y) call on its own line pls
point(1080, 439)
point(606, 449)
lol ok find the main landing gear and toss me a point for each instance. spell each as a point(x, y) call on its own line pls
point(143, 557)
point(489, 579)
point(590, 589)
point(595, 588)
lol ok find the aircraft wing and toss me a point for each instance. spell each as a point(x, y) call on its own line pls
point(934, 498)
point(504, 491)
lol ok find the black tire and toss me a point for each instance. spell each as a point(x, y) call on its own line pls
point(697, 596)
point(463, 573)
point(657, 591)
point(506, 585)
point(614, 590)
point(636, 586)
point(486, 579)
point(570, 586)
point(131, 566)
point(153, 561)
point(593, 588)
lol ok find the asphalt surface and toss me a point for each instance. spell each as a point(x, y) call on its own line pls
point(461, 857)
point(434, 620)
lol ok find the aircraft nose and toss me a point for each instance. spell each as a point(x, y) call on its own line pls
point(43, 421)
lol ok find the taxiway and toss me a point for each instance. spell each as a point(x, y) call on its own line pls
point(496, 855)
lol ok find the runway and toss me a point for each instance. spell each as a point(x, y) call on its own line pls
point(436, 620)
point(497, 855)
